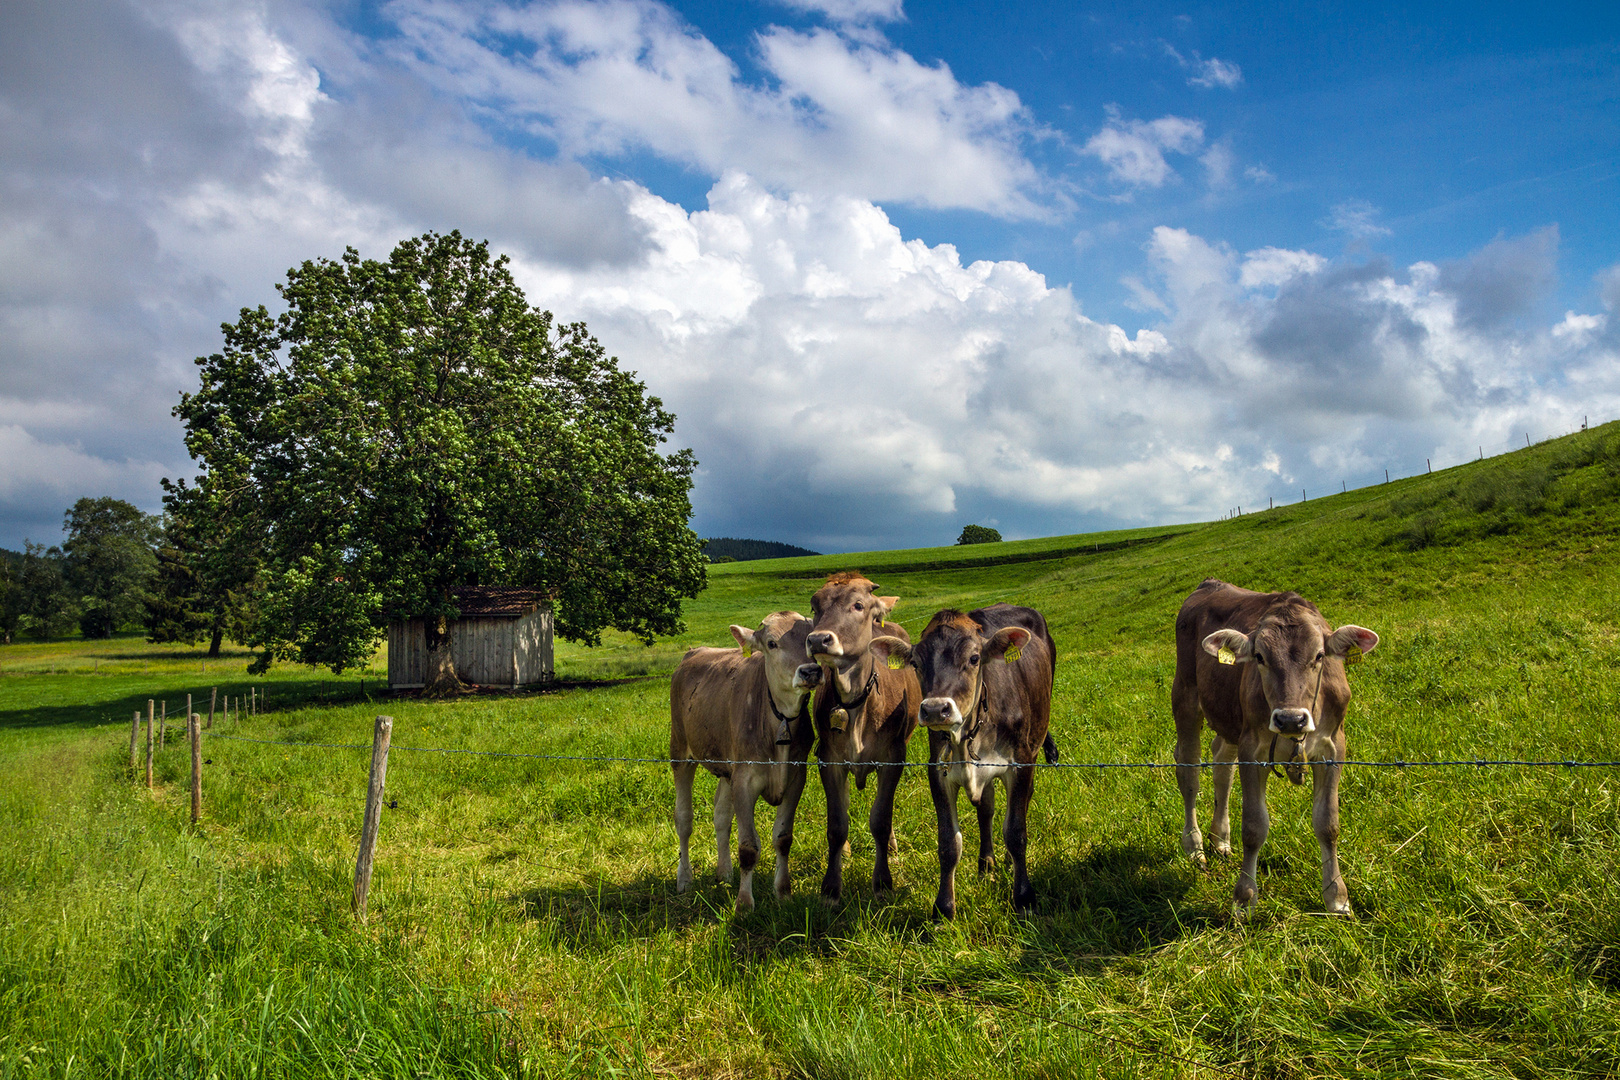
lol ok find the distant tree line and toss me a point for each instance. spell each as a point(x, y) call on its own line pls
point(727, 549)
point(100, 579)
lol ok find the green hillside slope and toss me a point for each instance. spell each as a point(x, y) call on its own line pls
point(524, 919)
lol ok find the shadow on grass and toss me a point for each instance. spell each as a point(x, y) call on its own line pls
point(600, 913)
point(1112, 901)
point(99, 701)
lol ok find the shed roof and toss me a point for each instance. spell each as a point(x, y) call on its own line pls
point(477, 601)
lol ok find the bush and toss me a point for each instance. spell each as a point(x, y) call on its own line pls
point(978, 534)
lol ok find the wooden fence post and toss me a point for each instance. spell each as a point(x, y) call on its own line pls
point(213, 698)
point(381, 735)
point(150, 717)
point(194, 729)
point(163, 723)
point(134, 736)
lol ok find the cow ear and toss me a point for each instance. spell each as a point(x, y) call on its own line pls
point(745, 638)
point(1009, 641)
point(1233, 644)
point(1346, 638)
point(891, 651)
point(889, 604)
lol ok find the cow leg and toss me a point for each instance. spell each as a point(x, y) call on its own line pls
point(1325, 820)
point(880, 820)
point(1189, 731)
point(950, 839)
point(722, 828)
point(1256, 824)
point(744, 797)
point(782, 833)
point(986, 806)
point(1220, 828)
point(835, 781)
point(683, 771)
point(1014, 831)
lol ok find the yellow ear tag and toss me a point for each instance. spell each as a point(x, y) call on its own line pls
point(1352, 655)
point(1013, 653)
point(895, 663)
point(747, 652)
point(1226, 656)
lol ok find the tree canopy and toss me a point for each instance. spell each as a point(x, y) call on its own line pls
point(109, 561)
point(978, 534)
point(408, 427)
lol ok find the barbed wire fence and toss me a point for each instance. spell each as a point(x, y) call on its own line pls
point(382, 745)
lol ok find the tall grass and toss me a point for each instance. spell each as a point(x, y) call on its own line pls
point(524, 919)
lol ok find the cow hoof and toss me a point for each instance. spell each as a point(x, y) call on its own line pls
point(1222, 850)
point(745, 903)
point(945, 912)
point(986, 867)
point(1339, 907)
point(1241, 911)
point(1199, 860)
point(683, 882)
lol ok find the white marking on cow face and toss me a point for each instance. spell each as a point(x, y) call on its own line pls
point(1292, 721)
point(941, 714)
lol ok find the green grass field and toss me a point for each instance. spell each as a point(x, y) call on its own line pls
point(524, 920)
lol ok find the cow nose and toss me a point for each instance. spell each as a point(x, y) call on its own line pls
point(934, 712)
point(807, 677)
point(1292, 721)
point(822, 641)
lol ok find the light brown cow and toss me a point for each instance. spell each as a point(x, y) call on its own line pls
point(864, 715)
point(1267, 671)
point(986, 677)
point(726, 705)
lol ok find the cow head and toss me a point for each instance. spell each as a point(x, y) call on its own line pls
point(1289, 648)
point(780, 640)
point(848, 614)
point(950, 658)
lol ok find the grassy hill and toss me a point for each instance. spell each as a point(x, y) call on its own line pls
point(525, 923)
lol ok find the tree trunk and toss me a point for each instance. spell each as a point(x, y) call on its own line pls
point(441, 677)
point(214, 642)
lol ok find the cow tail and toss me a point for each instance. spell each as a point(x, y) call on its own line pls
point(1049, 748)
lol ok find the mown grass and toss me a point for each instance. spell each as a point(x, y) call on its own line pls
point(524, 915)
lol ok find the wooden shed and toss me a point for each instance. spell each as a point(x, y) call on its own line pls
point(503, 638)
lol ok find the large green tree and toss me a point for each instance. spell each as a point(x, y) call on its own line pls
point(109, 560)
point(207, 572)
point(411, 426)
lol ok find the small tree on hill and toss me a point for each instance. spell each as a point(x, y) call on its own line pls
point(978, 534)
point(409, 427)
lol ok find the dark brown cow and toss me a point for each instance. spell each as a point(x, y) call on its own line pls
point(1267, 672)
point(728, 706)
point(864, 714)
point(986, 679)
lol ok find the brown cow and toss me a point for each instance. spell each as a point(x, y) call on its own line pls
point(986, 679)
point(726, 705)
point(864, 715)
point(1267, 672)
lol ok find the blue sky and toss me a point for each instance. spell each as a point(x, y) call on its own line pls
point(895, 267)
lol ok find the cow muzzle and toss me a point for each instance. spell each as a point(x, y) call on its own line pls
point(1292, 721)
point(807, 677)
point(823, 643)
point(939, 714)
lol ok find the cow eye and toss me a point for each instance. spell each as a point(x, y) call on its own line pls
point(974, 659)
point(1319, 657)
point(771, 644)
point(858, 605)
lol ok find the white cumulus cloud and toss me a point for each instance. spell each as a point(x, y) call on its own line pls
point(1134, 150)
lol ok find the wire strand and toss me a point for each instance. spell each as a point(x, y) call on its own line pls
point(625, 759)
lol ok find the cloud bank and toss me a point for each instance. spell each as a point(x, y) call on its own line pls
point(845, 385)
